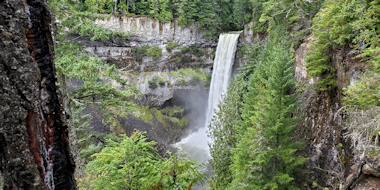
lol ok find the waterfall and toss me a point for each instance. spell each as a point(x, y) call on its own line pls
point(196, 144)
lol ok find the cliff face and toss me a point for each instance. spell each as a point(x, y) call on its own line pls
point(34, 144)
point(192, 50)
point(331, 156)
point(145, 30)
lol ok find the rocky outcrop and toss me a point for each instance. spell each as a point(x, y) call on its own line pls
point(330, 153)
point(34, 144)
point(192, 51)
point(145, 30)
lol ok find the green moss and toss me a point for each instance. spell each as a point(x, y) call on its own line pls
point(172, 111)
point(111, 119)
point(169, 122)
point(169, 117)
point(145, 114)
point(197, 76)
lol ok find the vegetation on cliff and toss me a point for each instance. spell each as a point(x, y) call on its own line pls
point(255, 145)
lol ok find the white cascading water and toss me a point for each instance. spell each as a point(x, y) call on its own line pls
point(196, 145)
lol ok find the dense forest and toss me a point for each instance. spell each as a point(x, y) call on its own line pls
point(261, 139)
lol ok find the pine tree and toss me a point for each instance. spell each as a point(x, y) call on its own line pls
point(265, 157)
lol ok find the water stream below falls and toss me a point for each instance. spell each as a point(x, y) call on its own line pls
point(196, 145)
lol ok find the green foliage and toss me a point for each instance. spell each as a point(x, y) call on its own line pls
point(339, 24)
point(153, 83)
point(189, 54)
point(86, 68)
point(88, 28)
point(145, 50)
point(170, 117)
point(287, 12)
point(314, 184)
point(154, 52)
point(197, 77)
point(133, 163)
point(193, 50)
point(89, 69)
point(224, 135)
point(81, 22)
point(171, 45)
point(242, 12)
point(364, 94)
point(253, 132)
point(253, 145)
point(181, 82)
point(140, 51)
point(208, 18)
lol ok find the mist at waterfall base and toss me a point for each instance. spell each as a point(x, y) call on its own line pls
point(196, 145)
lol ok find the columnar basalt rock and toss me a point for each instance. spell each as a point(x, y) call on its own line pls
point(34, 144)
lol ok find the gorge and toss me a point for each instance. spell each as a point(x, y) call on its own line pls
point(94, 96)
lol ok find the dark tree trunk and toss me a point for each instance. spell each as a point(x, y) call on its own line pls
point(34, 144)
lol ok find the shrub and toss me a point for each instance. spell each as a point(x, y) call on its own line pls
point(161, 82)
point(134, 163)
point(140, 51)
point(171, 45)
point(152, 84)
point(154, 52)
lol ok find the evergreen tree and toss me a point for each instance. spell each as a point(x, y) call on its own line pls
point(265, 157)
point(223, 135)
point(223, 126)
point(209, 22)
point(224, 10)
point(242, 12)
point(133, 163)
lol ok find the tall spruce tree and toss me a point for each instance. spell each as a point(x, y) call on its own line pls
point(265, 157)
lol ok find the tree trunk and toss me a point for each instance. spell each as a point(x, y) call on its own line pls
point(34, 144)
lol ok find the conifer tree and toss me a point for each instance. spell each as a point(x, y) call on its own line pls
point(223, 126)
point(265, 157)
